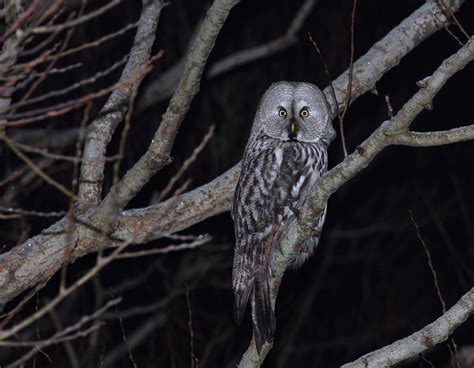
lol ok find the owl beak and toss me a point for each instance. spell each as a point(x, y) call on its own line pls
point(292, 130)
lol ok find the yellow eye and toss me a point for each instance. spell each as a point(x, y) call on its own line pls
point(304, 113)
point(281, 112)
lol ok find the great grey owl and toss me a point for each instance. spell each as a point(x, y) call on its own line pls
point(284, 158)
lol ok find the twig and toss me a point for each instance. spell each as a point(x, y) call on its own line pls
point(389, 106)
point(136, 337)
point(100, 264)
point(78, 21)
point(453, 351)
point(388, 52)
point(70, 333)
point(331, 87)
point(65, 334)
point(349, 81)
point(69, 88)
point(186, 164)
point(125, 341)
point(62, 108)
point(194, 360)
point(35, 168)
point(22, 212)
point(428, 139)
point(200, 240)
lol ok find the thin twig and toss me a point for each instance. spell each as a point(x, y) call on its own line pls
point(35, 168)
point(200, 240)
point(186, 164)
point(123, 136)
point(194, 360)
point(453, 351)
point(349, 82)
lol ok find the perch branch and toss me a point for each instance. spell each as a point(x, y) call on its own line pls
point(430, 335)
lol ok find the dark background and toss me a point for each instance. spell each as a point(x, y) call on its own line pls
point(369, 282)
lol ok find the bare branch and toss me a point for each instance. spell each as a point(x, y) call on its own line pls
point(388, 52)
point(432, 334)
point(100, 133)
point(267, 49)
point(383, 136)
point(427, 139)
point(186, 164)
point(74, 23)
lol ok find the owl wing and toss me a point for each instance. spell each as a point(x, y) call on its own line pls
point(266, 201)
point(253, 218)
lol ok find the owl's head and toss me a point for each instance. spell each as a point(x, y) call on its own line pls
point(294, 111)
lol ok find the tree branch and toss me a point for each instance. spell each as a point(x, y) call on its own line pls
point(101, 130)
point(281, 43)
point(389, 51)
point(432, 334)
point(427, 139)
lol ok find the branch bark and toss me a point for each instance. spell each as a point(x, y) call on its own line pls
point(428, 139)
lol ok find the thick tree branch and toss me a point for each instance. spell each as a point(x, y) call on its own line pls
point(100, 132)
point(427, 139)
point(9, 47)
point(389, 51)
point(384, 135)
point(432, 334)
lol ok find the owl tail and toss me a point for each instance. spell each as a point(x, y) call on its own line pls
point(263, 316)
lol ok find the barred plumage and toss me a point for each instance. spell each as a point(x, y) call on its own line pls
point(285, 156)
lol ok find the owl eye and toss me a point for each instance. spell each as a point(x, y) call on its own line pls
point(281, 112)
point(304, 112)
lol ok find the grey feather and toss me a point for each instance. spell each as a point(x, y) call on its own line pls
point(285, 156)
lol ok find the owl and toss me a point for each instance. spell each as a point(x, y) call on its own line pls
point(285, 156)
